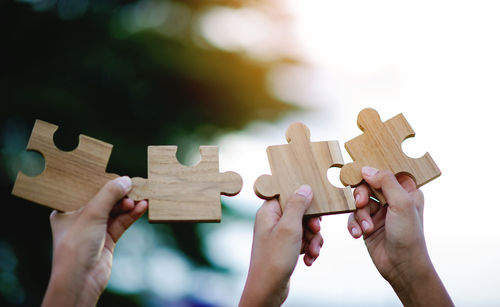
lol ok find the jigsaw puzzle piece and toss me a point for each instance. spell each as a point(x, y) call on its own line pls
point(265, 187)
point(180, 193)
point(380, 147)
point(302, 162)
point(70, 179)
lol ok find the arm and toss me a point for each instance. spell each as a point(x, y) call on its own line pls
point(83, 244)
point(395, 239)
point(279, 239)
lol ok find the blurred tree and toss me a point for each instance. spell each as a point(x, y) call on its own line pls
point(88, 67)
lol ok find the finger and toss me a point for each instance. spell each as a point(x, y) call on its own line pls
point(308, 235)
point(374, 206)
point(364, 219)
point(387, 182)
point(313, 224)
point(124, 205)
point(102, 204)
point(267, 216)
point(378, 222)
point(295, 207)
point(315, 245)
point(308, 259)
point(362, 195)
point(353, 227)
point(122, 222)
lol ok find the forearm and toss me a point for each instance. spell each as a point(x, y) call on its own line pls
point(64, 290)
point(421, 288)
point(260, 291)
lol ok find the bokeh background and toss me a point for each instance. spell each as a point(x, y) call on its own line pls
point(236, 74)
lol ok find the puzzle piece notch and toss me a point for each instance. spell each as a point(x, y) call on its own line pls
point(302, 162)
point(180, 193)
point(381, 147)
point(70, 178)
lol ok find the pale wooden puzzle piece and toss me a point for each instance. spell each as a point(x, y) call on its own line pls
point(70, 179)
point(380, 147)
point(179, 193)
point(302, 162)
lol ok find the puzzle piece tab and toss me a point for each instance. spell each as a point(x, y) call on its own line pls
point(380, 147)
point(302, 162)
point(70, 179)
point(180, 193)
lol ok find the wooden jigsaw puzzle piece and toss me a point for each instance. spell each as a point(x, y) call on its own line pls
point(380, 147)
point(70, 179)
point(265, 187)
point(180, 193)
point(302, 162)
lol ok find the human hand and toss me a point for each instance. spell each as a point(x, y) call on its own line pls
point(83, 244)
point(394, 237)
point(279, 239)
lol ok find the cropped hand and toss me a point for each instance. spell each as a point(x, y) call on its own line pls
point(83, 244)
point(279, 239)
point(394, 237)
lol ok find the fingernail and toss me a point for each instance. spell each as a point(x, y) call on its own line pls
point(316, 250)
point(369, 171)
point(355, 231)
point(365, 225)
point(358, 198)
point(125, 182)
point(305, 191)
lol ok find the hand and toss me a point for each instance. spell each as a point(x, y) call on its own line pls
point(278, 240)
point(83, 244)
point(394, 237)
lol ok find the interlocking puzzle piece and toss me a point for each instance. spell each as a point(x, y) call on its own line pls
point(70, 179)
point(380, 147)
point(180, 193)
point(302, 162)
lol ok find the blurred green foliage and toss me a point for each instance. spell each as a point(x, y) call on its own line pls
point(77, 65)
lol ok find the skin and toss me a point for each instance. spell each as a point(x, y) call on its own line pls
point(279, 239)
point(394, 237)
point(83, 244)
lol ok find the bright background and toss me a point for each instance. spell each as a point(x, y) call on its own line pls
point(237, 74)
point(438, 63)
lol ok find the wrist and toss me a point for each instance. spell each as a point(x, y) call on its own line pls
point(263, 291)
point(407, 278)
point(67, 285)
point(419, 285)
point(63, 290)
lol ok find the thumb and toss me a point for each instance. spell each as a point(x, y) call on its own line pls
point(296, 206)
point(108, 196)
point(387, 182)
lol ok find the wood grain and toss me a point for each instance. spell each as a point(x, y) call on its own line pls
point(70, 179)
point(380, 147)
point(179, 193)
point(302, 162)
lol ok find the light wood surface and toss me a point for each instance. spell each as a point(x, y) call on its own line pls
point(70, 179)
point(380, 147)
point(179, 193)
point(302, 162)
